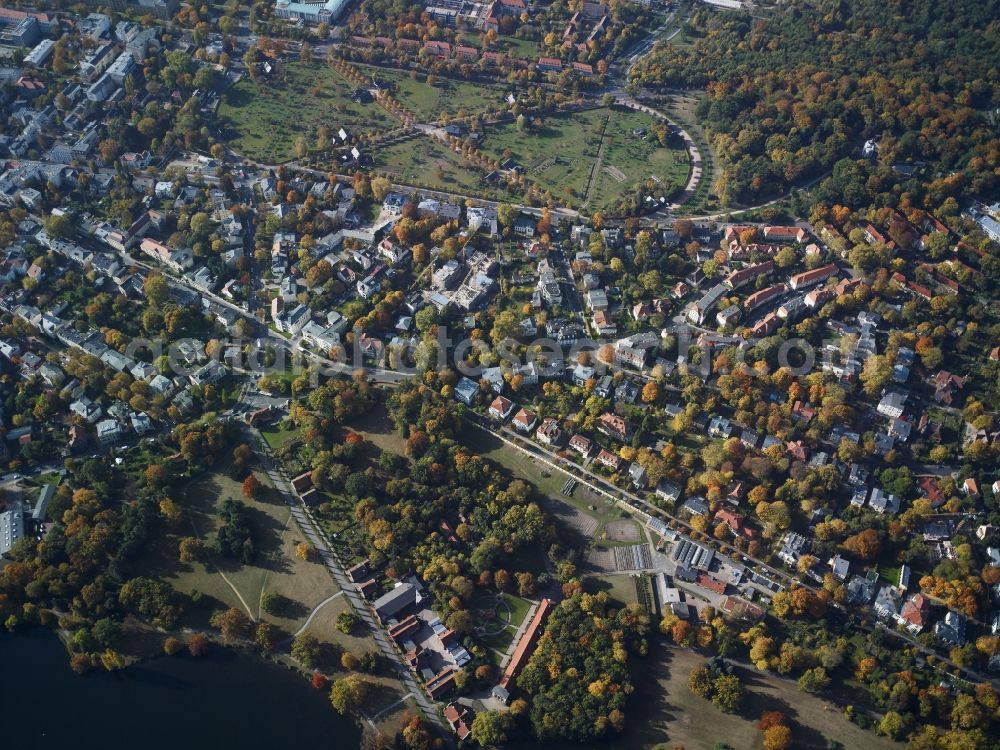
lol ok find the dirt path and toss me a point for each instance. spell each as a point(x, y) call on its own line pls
point(595, 170)
point(315, 611)
point(218, 570)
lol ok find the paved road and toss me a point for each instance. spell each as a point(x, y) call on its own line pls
point(629, 502)
point(333, 563)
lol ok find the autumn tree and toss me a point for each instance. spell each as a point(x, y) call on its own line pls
point(233, 623)
point(777, 738)
point(349, 693)
point(251, 487)
point(198, 645)
point(266, 636)
point(866, 544)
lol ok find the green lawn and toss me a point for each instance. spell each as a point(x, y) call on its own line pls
point(424, 162)
point(263, 119)
point(620, 588)
point(525, 48)
point(560, 154)
point(226, 582)
point(276, 437)
point(428, 101)
point(634, 158)
point(53, 477)
point(513, 46)
point(518, 609)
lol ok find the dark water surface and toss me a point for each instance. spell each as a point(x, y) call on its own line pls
point(223, 702)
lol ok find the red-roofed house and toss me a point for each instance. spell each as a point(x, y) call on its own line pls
point(615, 427)
point(872, 235)
point(440, 49)
point(913, 615)
point(609, 459)
point(459, 718)
point(526, 645)
point(785, 234)
point(808, 278)
point(549, 63)
point(929, 487)
point(524, 421)
point(580, 444)
point(735, 523)
point(501, 408)
point(712, 584)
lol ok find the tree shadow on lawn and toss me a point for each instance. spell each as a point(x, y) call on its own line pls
point(267, 532)
point(756, 703)
point(653, 702)
point(380, 697)
point(238, 96)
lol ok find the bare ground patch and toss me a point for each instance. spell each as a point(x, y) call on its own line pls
point(625, 530)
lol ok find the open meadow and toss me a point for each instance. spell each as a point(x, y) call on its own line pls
point(595, 155)
point(263, 118)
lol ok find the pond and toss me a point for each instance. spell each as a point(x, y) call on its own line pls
point(225, 700)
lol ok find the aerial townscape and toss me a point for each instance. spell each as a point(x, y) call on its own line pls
point(534, 373)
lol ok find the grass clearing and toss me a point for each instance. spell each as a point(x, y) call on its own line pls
point(277, 437)
point(263, 119)
point(428, 101)
point(424, 162)
point(620, 588)
point(510, 614)
point(629, 159)
point(676, 717)
point(304, 585)
point(324, 626)
point(560, 154)
point(223, 582)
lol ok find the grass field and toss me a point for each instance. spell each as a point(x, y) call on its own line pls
point(517, 610)
point(223, 582)
point(263, 119)
point(277, 437)
point(561, 153)
point(424, 162)
point(673, 716)
point(620, 588)
point(429, 101)
point(634, 158)
point(556, 155)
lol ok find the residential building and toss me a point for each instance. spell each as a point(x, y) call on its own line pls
point(501, 408)
point(808, 278)
point(668, 491)
point(951, 630)
point(615, 427)
point(914, 613)
point(793, 546)
point(524, 421)
point(11, 529)
point(886, 604)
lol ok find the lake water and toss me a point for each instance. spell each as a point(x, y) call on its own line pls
point(224, 702)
